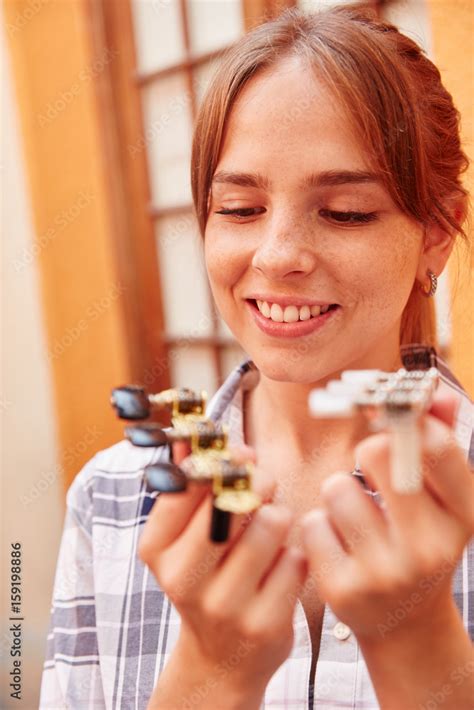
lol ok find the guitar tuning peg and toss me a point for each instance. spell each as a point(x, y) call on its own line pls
point(165, 477)
point(150, 434)
point(220, 525)
point(389, 400)
point(343, 387)
point(131, 402)
point(363, 377)
point(209, 461)
point(325, 404)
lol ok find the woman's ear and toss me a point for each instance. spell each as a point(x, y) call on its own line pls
point(438, 243)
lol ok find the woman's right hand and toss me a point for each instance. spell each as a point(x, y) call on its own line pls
point(236, 599)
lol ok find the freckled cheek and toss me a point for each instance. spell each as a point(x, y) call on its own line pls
point(383, 277)
point(225, 266)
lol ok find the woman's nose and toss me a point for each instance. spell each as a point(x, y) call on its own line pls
point(285, 252)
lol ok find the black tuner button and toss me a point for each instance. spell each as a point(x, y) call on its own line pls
point(165, 477)
point(220, 525)
point(131, 402)
point(146, 435)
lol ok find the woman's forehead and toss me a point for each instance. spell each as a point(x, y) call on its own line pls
point(287, 112)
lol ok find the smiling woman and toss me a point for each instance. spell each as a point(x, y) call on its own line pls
point(376, 83)
point(326, 175)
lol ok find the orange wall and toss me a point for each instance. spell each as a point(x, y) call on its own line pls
point(453, 32)
point(53, 71)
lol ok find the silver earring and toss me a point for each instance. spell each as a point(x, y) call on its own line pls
point(432, 286)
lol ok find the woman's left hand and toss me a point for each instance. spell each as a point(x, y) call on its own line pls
point(379, 568)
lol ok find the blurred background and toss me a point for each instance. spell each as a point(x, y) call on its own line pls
point(102, 274)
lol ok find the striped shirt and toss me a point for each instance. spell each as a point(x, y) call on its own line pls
point(113, 629)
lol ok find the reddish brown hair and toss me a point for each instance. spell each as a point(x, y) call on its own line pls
point(394, 99)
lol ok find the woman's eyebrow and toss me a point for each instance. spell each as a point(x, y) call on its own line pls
point(327, 178)
point(242, 179)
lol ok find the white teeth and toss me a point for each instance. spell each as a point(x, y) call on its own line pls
point(305, 313)
point(265, 309)
point(276, 313)
point(290, 314)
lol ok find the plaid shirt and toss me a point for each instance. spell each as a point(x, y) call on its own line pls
point(113, 629)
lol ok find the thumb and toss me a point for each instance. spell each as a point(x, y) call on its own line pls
point(445, 405)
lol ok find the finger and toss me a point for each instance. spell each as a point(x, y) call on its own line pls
point(446, 471)
point(445, 407)
point(240, 575)
point(187, 565)
point(330, 566)
point(264, 485)
point(180, 449)
point(193, 556)
point(275, 601)
point(404, 510)
point(359, 522)
point(169, 517)
point(241, 454)
point(173, 511)
point(445, 404)
point(320, 541)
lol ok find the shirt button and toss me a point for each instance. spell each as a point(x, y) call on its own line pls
point(341, 631)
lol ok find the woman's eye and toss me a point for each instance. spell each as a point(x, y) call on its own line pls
point(242, 212)
point(349, 217)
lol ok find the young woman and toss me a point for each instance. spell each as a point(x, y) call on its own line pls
point(326, 178)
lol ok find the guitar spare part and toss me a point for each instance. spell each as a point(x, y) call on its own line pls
point(210, 461)
point(392, 400)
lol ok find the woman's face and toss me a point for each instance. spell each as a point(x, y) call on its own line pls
point(310, 261)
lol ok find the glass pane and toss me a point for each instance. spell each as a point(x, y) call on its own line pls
point(183, 277)
point(443, 311)
point(223, 329)
point(168, 136)
point(158, 34)
point(193, 366)
point(214, 24)
point(202, 76)
point(231, 358)
point(410, 17)
point(413, 20)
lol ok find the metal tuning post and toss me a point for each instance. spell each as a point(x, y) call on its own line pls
point(395, 400)
point(210, 461)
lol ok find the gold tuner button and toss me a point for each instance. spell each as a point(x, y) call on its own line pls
point(238, 502)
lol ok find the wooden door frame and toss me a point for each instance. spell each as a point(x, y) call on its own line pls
point(118, 94)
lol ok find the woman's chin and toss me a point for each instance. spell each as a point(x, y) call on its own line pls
point(297, 369)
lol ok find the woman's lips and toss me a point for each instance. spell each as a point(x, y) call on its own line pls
point(291, 330)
